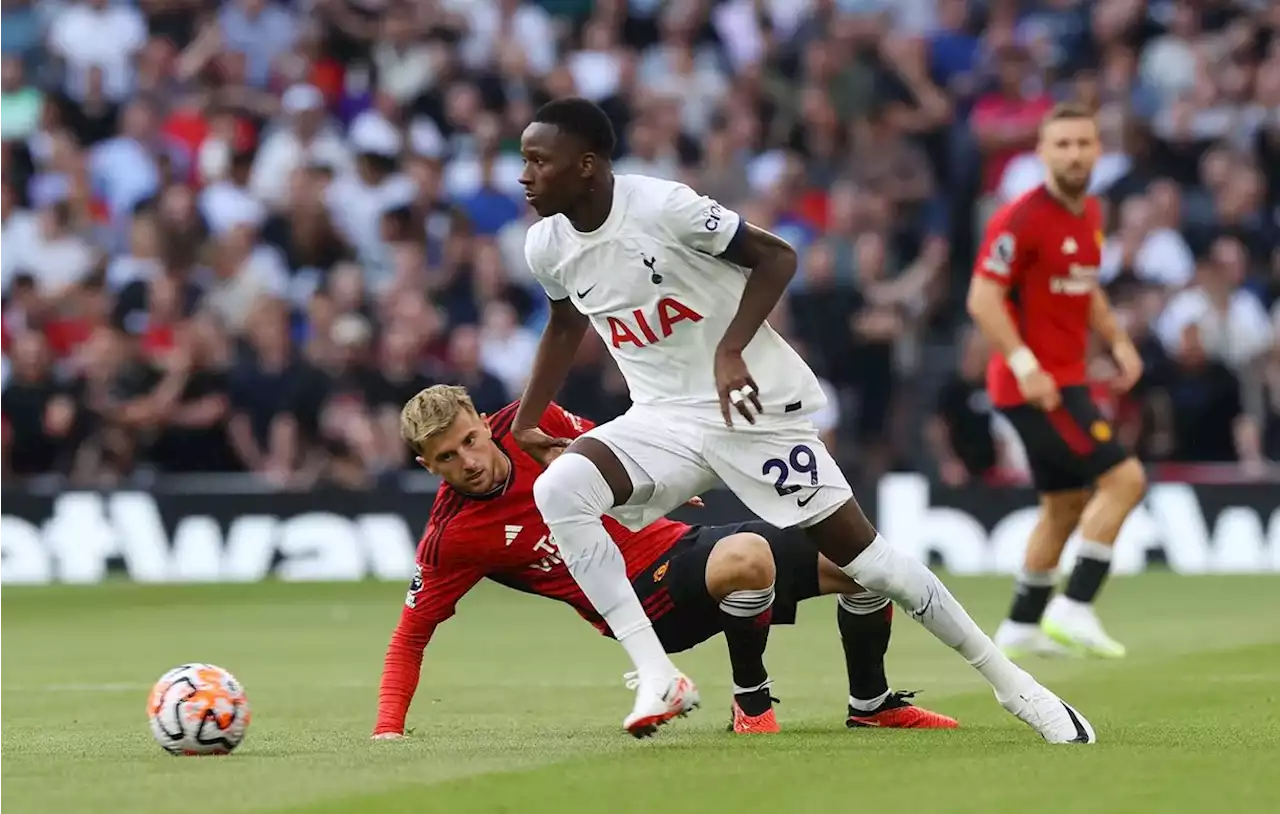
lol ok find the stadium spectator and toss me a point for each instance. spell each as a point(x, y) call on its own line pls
point(241, 231)
point(961, 431)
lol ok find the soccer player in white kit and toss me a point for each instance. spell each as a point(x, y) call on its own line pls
point(679, 287)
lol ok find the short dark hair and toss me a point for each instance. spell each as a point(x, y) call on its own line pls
point(1068, 111)
point(582, 119)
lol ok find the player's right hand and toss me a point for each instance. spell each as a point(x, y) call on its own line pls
point(541, 447)
point(1040, 390)
point(738, 391)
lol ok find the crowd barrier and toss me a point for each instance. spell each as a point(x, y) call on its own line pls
point(168, 535)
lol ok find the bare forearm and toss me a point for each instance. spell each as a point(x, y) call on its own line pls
point(283, 441)
point(388, 428)
point(200, 414)
point(551, 365)
point(773, 264)
point(986, 306)
point(938, 436)
point(934, 109)
point(764, 289)
point(1103, 320)
point(244, 443)
point(168, 393)
point(1248, 439)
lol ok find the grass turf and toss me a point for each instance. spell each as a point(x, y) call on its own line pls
point(520, 710)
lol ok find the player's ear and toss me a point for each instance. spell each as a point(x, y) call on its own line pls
point(588, 165)
point(422, 463)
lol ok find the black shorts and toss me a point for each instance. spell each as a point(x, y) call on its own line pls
point(674, 589)
point(1070, 447)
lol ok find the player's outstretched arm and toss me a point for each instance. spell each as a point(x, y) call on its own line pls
point(431, 600)
point(551, 365)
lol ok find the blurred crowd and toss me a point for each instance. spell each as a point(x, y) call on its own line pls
point(238, 235)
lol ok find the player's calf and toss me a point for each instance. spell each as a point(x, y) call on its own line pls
point(865, 623)
point(1071, 619)
point(1118, 492)
point(740, 574)
point(1020, 633)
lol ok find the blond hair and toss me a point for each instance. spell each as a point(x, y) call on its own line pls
point(431, 412)
point(1068, 111)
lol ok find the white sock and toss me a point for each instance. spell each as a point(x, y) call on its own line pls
point(911, 584)
point(862, 604)
point(1065, 604)
point(572, 496)
point(868, 704)
point(1093, 550)
point(748, 603)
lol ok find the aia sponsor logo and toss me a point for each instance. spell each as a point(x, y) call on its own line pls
point(643, 329)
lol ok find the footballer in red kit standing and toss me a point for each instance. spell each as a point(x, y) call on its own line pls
point(694, 582)
point(1035, 296)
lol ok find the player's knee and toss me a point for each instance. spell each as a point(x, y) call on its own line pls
point(1061, 511)
point(1127, 481)
point(571, 488)
point(741, 562)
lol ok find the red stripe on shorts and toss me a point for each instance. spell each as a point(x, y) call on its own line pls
point(1065, 425)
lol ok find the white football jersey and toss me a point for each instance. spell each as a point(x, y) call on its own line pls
point(651, 282)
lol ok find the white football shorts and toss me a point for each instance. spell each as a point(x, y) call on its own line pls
point(778, 467)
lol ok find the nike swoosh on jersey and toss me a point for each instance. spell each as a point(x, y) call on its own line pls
point(582, 294)
point(802, 502)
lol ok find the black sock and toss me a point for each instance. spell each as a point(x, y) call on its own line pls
point(1091, 571)
point(1031, 595)
point(746, 616)
point(865, 622)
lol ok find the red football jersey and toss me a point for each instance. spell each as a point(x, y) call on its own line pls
point(502, 537)
point(1048, 256)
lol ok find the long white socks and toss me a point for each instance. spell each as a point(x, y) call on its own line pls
point(910, 583)
point(572, 496)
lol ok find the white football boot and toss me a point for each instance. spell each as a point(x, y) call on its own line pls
point(1046, 713)
point(1018, 640)
point(1075, 624)
point(658, 701)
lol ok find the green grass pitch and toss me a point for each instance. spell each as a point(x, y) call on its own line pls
point(521, 704)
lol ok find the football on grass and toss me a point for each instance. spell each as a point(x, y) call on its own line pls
point(198, 709)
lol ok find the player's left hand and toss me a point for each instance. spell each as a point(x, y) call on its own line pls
point(1130, 364)
point(539, 445)
point(738, 391)
point(696, 502)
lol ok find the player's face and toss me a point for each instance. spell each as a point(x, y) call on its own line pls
point(1070, 148)
point(465, 455)
point(556, 171)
